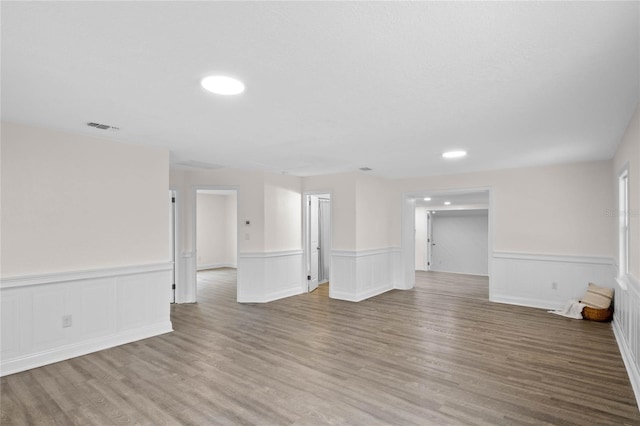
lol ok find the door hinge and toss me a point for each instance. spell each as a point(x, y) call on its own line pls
point(173, 199)
point(173, 286)
point(428, 263)
point(308, 277)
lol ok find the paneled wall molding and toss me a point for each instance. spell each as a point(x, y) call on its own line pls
point(268, 276)
point(546, 280)
point(77, 313)
point(628, 281)
point(626, 327)
point(357, 275)
point(56, 277)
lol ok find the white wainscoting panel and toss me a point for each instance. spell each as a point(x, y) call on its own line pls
point(267, 276)
point(108, 307)
point(359, 275)
point(626, 327)
point(527, 279)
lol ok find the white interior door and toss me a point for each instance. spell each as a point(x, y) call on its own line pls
point(172, 240)
point(314, 242)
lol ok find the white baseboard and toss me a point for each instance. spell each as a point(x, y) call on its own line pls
point(51, 356)
point(527, 302)
point(528, 279)
point(452, 272)
point(350, 297)
point(107, 307)
point(628, 359)
point(215, 266)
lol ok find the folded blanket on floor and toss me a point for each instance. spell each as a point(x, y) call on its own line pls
point(573, 309)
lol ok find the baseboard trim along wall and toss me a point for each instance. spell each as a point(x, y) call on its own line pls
point(267, 276)
point(546, 281)
point(48, 318)
point(215, 266)
point(359, 275)
point(626, 327)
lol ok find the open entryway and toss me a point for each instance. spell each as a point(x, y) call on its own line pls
point(317, 240)
point(452, 234)
point(216, 235)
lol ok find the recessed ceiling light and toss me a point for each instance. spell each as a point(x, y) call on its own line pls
point(433, 212)
point(222, 85)
point(454, 154)
point(427, 198)
point(446, 203)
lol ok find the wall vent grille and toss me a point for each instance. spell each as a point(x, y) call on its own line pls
point(102, 126)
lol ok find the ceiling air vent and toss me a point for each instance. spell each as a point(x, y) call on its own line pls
point(103, 126)
point(366, 169)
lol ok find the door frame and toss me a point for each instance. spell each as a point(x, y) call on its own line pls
point(408, 242)
point(429, 218)
point(174, 242)
point(305, 236)
point(193, 267)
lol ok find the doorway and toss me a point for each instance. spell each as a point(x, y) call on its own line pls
point(317, 240)
point(215, 236)
point(447, 232)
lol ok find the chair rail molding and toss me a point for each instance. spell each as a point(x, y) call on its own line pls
point(48, 318)
point(543, 280)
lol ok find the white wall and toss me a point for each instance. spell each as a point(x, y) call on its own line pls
point(373, 219)
point(282, 212)
point(216, 231)
point(554, 209)
point(84, 235)
point(72, 202)
point(343, 204)
point(461, 242)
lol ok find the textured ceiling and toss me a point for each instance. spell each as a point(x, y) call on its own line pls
point(331, 86)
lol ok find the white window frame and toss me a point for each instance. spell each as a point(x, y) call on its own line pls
point(623, 222)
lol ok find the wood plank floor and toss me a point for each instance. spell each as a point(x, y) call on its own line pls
point(439, 354)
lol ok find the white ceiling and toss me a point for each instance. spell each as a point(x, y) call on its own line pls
point(331, 86)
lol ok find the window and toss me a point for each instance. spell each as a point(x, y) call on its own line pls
point(623, 218)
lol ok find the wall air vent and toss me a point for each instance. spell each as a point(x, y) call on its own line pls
point(366, 169)
point(103, 126)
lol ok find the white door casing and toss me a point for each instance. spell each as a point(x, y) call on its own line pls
point(313, 241)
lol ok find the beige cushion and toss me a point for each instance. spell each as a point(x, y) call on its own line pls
point(598, 297)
